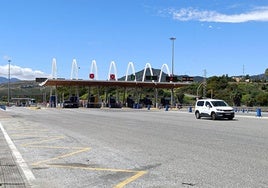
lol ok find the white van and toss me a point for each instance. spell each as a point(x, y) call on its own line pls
point(214, 108)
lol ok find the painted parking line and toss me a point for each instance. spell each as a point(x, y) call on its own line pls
point(137, 174)
point(60, 156)
point(18, 158)
point(43, 141)
point(131, 179)
point(40, 142)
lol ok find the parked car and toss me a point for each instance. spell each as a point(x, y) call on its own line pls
point(73, 102)
point(214, 108)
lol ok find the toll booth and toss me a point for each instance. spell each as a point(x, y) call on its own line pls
point(25, 102)
point(112, 103)
point(165, 101)
point(146, 101)
point(52, 101)
point(130, 101)
point(93, 102)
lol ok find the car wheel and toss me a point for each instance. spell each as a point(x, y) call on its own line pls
point(213, 116)
point(230, 118)
point(197, 115)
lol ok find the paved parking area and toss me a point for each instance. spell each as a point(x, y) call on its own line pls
point(138, 148)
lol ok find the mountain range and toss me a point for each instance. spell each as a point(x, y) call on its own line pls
point(139, 76)
point(5, 80)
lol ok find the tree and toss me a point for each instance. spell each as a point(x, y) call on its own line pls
point(266, 74)
point(180, 97)
point(237, 99)
point(262, 99)
point(248, 100)
point(218, 85)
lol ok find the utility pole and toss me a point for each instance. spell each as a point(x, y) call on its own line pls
point(205, 84)
point(8, 87)
point(172, 69)
point(172, 39)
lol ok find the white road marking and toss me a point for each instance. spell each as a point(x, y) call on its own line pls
point(20, 161)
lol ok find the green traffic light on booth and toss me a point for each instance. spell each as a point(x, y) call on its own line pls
point(132, 77)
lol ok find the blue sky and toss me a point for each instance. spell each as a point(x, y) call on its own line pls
point(221, 37)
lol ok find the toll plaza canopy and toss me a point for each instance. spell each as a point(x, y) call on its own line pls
point(114, 83)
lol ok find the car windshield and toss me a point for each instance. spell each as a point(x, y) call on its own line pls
point(219, 103)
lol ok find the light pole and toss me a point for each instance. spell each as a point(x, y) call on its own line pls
point(172, 69)
point(8, 89)
point(172, 39)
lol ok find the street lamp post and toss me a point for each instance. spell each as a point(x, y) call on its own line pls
point(172, 68)
point(172, 39)
point(8, 90)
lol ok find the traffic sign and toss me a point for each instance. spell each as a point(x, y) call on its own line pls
point(91, 76)
point(112, 76)
point(187, 79)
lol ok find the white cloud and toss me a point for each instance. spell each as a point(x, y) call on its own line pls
point(190, 14)
point(21, 73)
point(6, 57)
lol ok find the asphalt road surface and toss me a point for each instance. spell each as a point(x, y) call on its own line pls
point(139, 148)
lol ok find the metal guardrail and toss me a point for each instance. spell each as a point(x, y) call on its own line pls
point(250, 109)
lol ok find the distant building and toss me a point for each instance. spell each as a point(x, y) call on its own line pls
point(24, 101)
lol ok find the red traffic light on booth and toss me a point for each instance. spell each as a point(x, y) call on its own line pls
point(91, 76)
point(171, 78)
point(112, 76)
